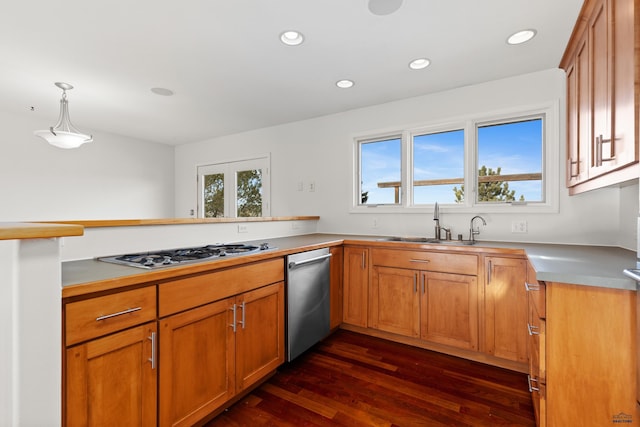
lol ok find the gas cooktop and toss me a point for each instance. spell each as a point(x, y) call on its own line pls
point(172, 257)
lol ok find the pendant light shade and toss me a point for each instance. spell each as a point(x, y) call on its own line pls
point(64, 134)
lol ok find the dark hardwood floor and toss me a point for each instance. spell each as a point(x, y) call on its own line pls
point(355, 380)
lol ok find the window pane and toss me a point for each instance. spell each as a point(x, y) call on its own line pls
point(510, 162)
point(214, 195)
point(380, 177)
point(249, 194)
point(438, 167)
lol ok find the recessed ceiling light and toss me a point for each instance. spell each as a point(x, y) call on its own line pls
point(521, 36)
point(384, 7)
point(162, 91)
point(292, 38)
point(344, 84)
point(419, 63)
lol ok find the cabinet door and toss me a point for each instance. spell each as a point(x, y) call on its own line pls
point(449, 309)
point(625, 144)
point(112, 381)
point(394, 301)
point(197, 354)
point(356, 285)
point(506, 308)
point(578, 116)
point(337, 273)
point(259, 334)
point(600, 53)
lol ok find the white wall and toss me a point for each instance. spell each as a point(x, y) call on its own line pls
point(319, 150)
point(30, 354)
point(112, 178)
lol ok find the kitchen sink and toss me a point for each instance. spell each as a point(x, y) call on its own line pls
point(426, 240)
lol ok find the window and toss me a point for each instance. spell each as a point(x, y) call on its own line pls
point(234, 189)
point(380, 177)
point(510, 161)
point(438, 166)
point(490, 163)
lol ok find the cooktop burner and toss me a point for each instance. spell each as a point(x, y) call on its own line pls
point(166, 258)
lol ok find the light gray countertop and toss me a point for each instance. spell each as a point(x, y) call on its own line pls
point(574, 264)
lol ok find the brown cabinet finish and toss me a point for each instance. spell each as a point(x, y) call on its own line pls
point(589, 371)
point(505, 305)
point(395, 301)
point(182, 294)
point(197, 352)
point(602, 95)
point(410, 295)
point(336, 275)
point(260, 347)
point(112, 380)
point(449, 310)
point(94, 317)
point(356, 285)
point(211, 353)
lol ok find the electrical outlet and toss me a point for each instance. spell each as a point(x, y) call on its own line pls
point(312, 186)
point(300, 185)
point(243, 228)
point(375, 223)
point(519, 226)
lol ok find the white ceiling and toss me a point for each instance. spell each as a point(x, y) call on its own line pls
point(229, 71)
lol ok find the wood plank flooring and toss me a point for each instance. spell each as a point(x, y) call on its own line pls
point(354, 380)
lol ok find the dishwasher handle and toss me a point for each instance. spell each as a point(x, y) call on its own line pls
point(294, 264)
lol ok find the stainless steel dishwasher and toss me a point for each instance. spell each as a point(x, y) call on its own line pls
point(307, 300)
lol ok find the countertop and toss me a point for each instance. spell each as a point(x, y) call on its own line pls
point(574, 264)
point(26, 230)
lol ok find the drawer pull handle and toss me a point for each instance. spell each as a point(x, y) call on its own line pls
point(531, 287)
point(120, 313)
point(233, 325)
point(152, 359)
point(420, 260)
point(529, 381)
point(533, 330)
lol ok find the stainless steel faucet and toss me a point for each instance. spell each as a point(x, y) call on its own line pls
point(436, 218)
point(472, 232)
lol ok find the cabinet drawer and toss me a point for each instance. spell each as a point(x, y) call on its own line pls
point(103, 315)
point(183, 294)
point(424, 260)
point(536, 292)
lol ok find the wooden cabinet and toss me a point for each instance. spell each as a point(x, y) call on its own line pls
point(410, 296)
point(586, 367)
point(110, 360)
point(602, 100)
point(212, 352)
point(536, 329)
point(580, 368)
point(449, 309)
point(505, 308)
point(336, 276)
point(355, 285)
point(197, 350)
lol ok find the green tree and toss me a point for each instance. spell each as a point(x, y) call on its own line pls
point(492, 191)
point(214, 195)
point(249, 197)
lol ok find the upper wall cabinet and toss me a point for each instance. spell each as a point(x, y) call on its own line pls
point(602, 98)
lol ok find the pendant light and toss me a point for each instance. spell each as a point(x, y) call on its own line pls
point(64, 134)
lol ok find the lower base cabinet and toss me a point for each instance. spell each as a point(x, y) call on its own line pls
point(211, 353)
point(112, 379)
point(581, 370)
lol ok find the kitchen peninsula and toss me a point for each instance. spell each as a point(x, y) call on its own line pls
point(586, 267)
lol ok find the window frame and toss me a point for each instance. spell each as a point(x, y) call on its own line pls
point(230, 168)
point(550, 113)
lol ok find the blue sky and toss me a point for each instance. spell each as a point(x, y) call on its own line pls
point(515, 147)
